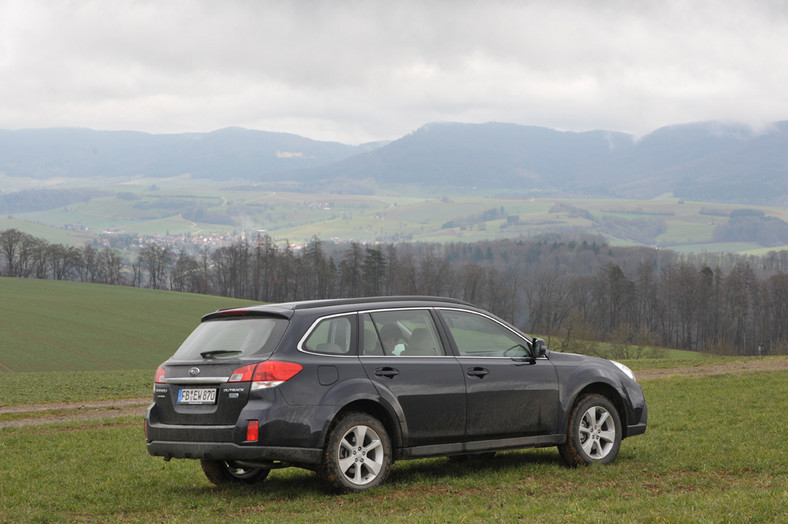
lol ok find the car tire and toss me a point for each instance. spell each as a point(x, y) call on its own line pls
point(357, 455)
point(593, 434)
point(220, 472)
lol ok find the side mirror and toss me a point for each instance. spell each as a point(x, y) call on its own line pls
point(540, 347)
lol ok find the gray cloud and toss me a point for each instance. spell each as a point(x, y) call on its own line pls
point(364, 70)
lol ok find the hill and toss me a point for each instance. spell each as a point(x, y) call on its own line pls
point(710, 162)
point(494, 154)
point(70, 326)
point(231, 153)
point(707, 162)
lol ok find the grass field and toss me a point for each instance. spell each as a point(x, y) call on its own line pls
point(71, 326)
point(714, 450)
point(708, 456)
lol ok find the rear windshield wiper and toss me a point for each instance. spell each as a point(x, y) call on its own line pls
point(220, 353)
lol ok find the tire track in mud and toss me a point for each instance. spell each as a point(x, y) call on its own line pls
point(73, 411)
point(716, 369)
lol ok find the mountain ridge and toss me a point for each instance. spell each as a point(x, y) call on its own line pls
point(708, 161)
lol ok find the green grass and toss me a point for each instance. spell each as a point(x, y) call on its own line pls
point(70, 326)
point(53, 234)
point(75, 386)
point(393, 213)
point(71, 334)
point(714, 452)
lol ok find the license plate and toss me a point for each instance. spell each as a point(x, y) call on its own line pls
point(196, 396)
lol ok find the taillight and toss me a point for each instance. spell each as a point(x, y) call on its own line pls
point(161, 376)
point(266, 374)
point(272, 373)
point(243, 374)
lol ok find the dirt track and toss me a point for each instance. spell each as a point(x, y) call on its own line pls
point(78, 411)
point(720, 369)
point(75, 411)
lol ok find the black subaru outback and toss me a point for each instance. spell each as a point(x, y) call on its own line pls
point(346, 387)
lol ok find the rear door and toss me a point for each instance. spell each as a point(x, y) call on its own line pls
point(403, 356)
point(197, 388)
point(198, 393)
point(510, 393)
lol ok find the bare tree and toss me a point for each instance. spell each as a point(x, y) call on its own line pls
point(10, 240)
point(156, 260)
point(548, 301)
point(185, 275)
point(111, 267)
point(474, 279)
point(434, 275)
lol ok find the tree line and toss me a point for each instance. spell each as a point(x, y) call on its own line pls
point(578, 291)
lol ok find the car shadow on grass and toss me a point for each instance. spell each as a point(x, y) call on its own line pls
point(530, 461)
point(294, 483)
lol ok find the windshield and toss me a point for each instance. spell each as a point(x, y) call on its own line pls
point(232, 338)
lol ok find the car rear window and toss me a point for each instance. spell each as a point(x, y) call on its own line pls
point(233, 338)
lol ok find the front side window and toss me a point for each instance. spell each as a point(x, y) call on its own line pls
point(232, 338)
point(479, 336)
point(407, 332)
point(331, 336)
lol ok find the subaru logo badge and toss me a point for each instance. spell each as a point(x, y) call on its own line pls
point(194, 372)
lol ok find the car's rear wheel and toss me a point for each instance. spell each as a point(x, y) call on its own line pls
point(357, 456)
point(223, 472)
point(594, 432)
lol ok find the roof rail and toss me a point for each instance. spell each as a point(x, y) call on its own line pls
point(369, 300)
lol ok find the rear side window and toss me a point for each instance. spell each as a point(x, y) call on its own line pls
point(232, 338)
point(331, 336)
point(405, 332)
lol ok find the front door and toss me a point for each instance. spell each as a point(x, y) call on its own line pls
point(510, 393)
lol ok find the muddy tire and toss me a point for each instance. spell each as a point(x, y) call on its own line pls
point(593, 434)
point(358, 454)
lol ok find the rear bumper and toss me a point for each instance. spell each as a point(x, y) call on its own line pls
point(278, 441)
point(232, 451)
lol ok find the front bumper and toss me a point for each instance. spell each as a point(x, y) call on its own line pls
point(640, 427)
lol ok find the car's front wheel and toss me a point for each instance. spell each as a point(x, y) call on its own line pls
point(221, 472)
point(357, 456)
point(594, 432)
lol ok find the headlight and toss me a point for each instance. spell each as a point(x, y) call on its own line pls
point(626, 370)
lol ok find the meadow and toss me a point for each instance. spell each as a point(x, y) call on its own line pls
point(72, 326)
point(391, 214)
point(714, 450)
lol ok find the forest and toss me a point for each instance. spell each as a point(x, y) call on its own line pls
point(576, 291)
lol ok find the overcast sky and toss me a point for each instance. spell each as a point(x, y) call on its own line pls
point(357, 71)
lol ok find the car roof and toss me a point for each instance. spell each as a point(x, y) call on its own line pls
point(337, 305)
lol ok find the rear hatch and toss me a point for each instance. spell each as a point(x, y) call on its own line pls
point(207, 381)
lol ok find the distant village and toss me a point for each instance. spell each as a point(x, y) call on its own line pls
point(190, 243)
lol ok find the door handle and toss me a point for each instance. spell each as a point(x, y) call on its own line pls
point(386, 372)
point(477, 372)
